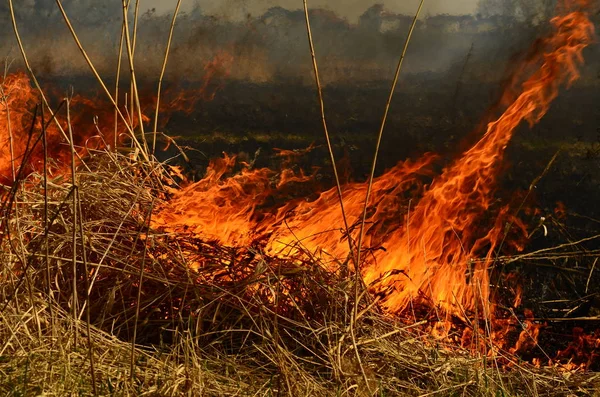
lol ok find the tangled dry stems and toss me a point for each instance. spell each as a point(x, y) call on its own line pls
point(204, 319)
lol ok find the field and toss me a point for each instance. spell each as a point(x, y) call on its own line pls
point(221, 236)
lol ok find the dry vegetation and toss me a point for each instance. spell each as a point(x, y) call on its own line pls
point(95, 302)
point(243, 324)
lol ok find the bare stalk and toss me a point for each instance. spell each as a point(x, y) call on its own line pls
point(162, 73)
point(139, 293)
point(118, 77)
point(509, 226)
point(587, 284)
point(46, 223)
point(9, 127)
point(87, 294)
point(381, 128)
point(135, 96)
point(135, 25)
point(325, 129)
point(338, 186)
point(136, 14)
point(372, 175)
point(99, 79)
point(32, 75)
point(21, 255)
point(74, 211)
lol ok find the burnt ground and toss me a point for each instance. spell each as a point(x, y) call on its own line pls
point(429, 114)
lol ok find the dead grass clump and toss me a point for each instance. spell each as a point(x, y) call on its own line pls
point(141, 312)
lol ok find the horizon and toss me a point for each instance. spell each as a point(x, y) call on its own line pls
point(239, 9)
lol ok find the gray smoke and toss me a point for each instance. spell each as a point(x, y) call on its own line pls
point(273, 45)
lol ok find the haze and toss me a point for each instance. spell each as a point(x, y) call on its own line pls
point(350, 9)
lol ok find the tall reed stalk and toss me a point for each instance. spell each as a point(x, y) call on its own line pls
point(162, 73)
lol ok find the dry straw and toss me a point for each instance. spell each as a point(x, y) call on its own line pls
point(243, 323)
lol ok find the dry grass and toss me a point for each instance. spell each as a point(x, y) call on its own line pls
point(242, 324)
point(93, 301)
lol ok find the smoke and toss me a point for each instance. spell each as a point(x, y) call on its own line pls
point(272, 46)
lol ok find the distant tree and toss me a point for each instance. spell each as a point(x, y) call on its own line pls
point(196, 11)
point(371, 19)
point(530, 11)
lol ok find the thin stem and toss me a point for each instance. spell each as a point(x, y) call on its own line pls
point(99, 79)
point(381, 128)
point(136, 14)
point(46, 223)
point(22, 255)
point(338, 186)
point(135, 25)
point(118, 77)
point(129, 47)
point(162, 73)
point(325, 129)
point(87, 294)
point(74, 233)
point(10, 132)
point(139, 293)
point(32, 75)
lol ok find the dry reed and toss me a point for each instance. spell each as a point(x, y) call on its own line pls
point(169, 314)
point(205, 319)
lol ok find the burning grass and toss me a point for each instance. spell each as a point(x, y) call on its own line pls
point(117, 281)
point(172, 314)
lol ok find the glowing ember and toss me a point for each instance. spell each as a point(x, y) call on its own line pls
point(582, 352)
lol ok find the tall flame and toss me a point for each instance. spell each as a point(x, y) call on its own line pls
point(436, 255)
point(429, 248)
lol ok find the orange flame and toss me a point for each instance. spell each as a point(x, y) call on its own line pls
point(442, 241)
point(430, 247)
point(92, 118)
point(17, 98)
point(184, 100)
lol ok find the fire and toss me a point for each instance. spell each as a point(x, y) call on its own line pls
point(443, 239)
point(92, 118)
point(428, 239)
point(215, 71)
point(430, 233)
point(21, 128)
point(227, 205)
point(582, 352)
point(17, 98)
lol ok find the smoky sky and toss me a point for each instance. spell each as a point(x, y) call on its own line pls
point(262, 41)
point(349, 9)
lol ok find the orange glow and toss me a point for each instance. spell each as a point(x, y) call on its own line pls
point(185, 100)
point(226, 204)
point(431, 233)
point(430, 238)
point(582, 352)
point(528, 337)
point(92, 119)
point(443, 239)
point(17, 99)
